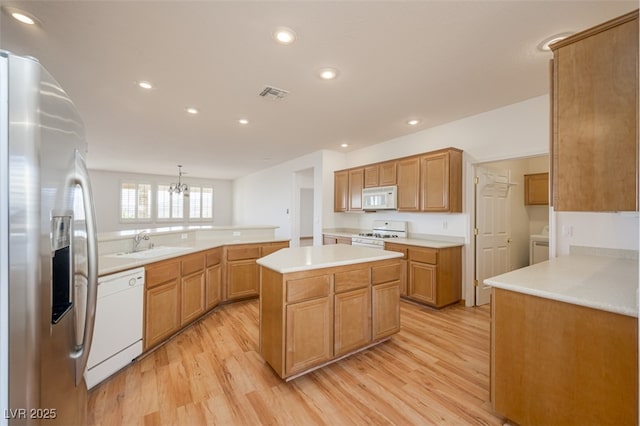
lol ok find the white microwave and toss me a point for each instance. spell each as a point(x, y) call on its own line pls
point(380, 198)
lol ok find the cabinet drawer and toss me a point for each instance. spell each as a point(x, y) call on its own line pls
point(192, 263)
point(384, 274)
point(162, 272)
point(400, 248)
point(344, 281)
point(424, 255)
point(308, 288)
point(273, 247)
point(243, 252)
point(214, 257)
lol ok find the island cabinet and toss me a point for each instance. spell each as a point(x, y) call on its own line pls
point(434, 275)
point(594, 143)
point(311, 318)
point(242, 272)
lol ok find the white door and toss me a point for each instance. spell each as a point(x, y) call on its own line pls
point(493, 225)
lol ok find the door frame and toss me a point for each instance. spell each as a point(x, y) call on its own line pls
point(469, 255)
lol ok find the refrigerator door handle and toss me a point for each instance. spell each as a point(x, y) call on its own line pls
point(81, 178)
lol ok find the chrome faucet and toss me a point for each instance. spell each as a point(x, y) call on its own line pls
point(142, 235)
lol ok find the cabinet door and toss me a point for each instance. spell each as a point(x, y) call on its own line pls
point(341, 191)
point(385, 302)
point(162, 312)
point(536, 189)
point(309, 334)
point(371, 176)
point(192, 297)
point(595, 120)
point(356, 183)
point(242, 279)
point(213, 286)
point(387, 173)
point(328, 240)
point(434, 183)
point(352, 320)
point(422, 282)
point(408, 183)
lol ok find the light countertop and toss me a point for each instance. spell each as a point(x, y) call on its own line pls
point(599, 282)
point(110, 263)
point(436, 242)
point(296, 259)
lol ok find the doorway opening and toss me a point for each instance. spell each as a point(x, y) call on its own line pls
point(303, 214)
point(504, 225)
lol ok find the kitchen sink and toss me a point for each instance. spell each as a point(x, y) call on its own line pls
point(149, 253)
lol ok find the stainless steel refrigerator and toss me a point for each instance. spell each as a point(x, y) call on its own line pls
point(48, 249)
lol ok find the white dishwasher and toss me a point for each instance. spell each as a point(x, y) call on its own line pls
point(117, 336)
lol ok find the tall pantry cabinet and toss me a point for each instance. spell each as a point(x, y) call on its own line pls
point(594, 143)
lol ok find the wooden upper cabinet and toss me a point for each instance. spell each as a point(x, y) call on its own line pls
point(341, 191)
point(536, 189)
point(381, 174)
point(595, 112)
point(356, 183)
point(441, 182)
point(408, 183)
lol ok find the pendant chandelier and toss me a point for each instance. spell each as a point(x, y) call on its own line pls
point(179, 187)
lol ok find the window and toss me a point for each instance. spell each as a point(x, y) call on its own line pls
point(200, 202)
point(135, 201)
point(170, 206)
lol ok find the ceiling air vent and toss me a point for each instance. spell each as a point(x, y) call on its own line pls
point(273, 93)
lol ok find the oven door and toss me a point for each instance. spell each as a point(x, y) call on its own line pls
point(367, 242)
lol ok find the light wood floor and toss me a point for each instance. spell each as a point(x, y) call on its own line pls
point(435, 371)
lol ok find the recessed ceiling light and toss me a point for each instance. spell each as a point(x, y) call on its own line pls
point(284, 35)
point(544, 45)
point(192, 110)
point(145, 85)
point(328, 73)
point(23, 18)
point(344, 145)
point(413, 122)
point(21, 15)
point(243, 121)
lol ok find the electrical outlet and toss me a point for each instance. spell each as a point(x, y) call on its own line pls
point(184, 236)
point(236, 233)
point(445, 225)
point(567, 231)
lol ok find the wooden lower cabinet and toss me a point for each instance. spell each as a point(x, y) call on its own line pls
point(352, 321)
point(180, 290)
point(313, 317)
point(213, 278)
point(334, 239)
point(309, 337)
point(162, 312)
point(434, 276)
point(242, 271)
point(386, 320)
point(242, 279)
point(555, 363)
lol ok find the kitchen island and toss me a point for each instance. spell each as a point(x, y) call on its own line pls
point(320, 304)
point(564, 342)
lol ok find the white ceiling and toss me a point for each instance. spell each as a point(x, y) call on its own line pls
point(437, 61)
